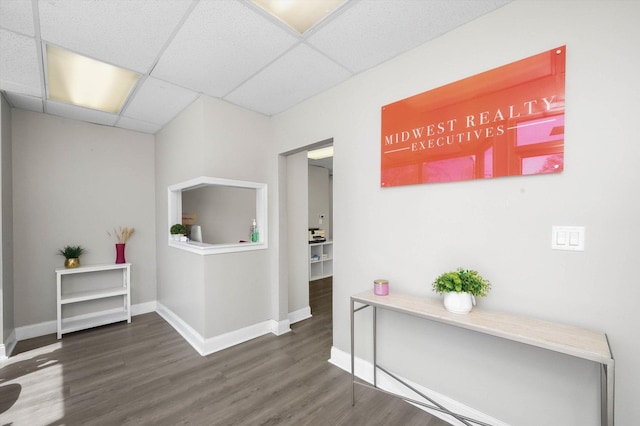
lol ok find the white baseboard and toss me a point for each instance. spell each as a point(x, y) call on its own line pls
point(185, 330)
point(280, 327)
point(364, 371)
point(143, 308)
point(36, 330)
point(7, 348)
point(299, 315)
point(223, 341)
point(200, 344)
point(50, 327)
point(232, 338)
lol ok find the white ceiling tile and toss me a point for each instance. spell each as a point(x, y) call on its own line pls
point(17, 15)
point(138, 125)
point(221, 45)
point(81, 114)
point(127, 33)
point(229, 49)
point(300, 74)
point(30, 103)
point(373, 31)
point(158, 101)
point(19, 65)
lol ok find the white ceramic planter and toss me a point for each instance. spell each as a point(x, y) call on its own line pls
point(459, 303)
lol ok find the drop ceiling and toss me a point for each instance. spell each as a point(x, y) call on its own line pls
point(227, 49)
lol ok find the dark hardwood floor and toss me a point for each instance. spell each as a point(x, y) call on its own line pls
point(145, 373)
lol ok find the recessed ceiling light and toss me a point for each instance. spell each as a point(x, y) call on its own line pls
point(300, 14)
point(82, 81)
point(320, 153)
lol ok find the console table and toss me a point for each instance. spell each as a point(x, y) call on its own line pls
point(98, 318)
point(569, 340)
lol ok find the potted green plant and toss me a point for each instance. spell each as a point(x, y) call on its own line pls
point(460, 288)
point(71, 255)
point(177, 231)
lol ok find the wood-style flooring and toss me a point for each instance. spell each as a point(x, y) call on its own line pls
point(144, 373)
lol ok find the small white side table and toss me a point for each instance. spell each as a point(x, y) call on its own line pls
point(98, 318)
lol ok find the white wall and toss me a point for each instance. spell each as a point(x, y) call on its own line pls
point(298, 242)
point(73, 182)
point(502, 226)
point(279, 241)
point(213, 294)
point(7, 324)
point(180, 275)
point(502, 229)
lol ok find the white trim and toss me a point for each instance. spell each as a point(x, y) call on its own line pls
point(207, 346)
point(174, 209)
point(143, 308)
point(50, 327)
point(200, 344)
point(204, 249)
point(36, 330)
point(280, 327)
point(364, 371)
point(232, 338)
point(9, 345)
point(185, 330)
point(300, 315)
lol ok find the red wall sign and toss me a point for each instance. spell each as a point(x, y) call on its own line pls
point(503, 122)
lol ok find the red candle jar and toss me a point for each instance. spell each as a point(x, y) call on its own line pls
point(381, 287)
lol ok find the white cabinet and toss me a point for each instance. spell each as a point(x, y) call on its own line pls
point(320, 260)
point(122, 290)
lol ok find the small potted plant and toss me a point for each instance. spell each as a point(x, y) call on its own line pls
point(71, 255)
point(460, 288)
point(177, 231)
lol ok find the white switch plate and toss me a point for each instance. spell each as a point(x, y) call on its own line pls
point(567, 238)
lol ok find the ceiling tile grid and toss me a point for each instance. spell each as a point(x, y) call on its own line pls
point(29, 103)
point(154, 93)
point(228, 49)
point(19, 66)
point(138, 125)
point(292, 78)
point(372, 32)
point(79, 113)
point(126, 33)
point(17, 16)
point(221, 45)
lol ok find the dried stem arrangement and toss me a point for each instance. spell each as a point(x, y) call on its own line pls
point(122, 234)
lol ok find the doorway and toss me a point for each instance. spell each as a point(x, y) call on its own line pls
point(320, 221)
point(294, 247)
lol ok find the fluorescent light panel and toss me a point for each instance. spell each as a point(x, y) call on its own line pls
point(300, 15)
point(320, 153)
point(85, 82)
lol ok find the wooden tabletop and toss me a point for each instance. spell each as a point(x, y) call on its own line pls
point(570, 340)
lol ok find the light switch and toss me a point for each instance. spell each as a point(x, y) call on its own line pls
point(574, 238)
point(567, 238)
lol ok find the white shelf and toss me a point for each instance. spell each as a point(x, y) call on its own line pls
point(320, 260)
point(95, 320)
point(68, 325)
point(92, 268)
point(83, 296)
